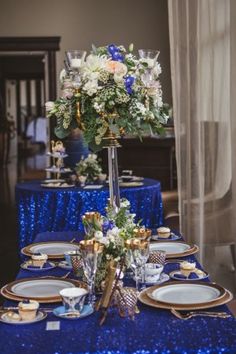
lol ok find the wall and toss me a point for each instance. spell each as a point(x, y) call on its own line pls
point(82, 22)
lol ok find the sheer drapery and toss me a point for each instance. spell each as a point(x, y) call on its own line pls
point(201, 40)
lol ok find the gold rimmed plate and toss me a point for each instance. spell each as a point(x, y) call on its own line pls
point(174, 249)
point(45, 289)
point(53, 249)
point(7, 319)
point(131, 184)
point(222, 296)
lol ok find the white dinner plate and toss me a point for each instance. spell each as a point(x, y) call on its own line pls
point(52, 249)
point(186, 294)
point(57, 185)
point(53, 180)
point(170, 247)
point(39, 317)
point(40, 288)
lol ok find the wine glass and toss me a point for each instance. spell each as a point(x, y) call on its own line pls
point(138, 251)
point(91, 252)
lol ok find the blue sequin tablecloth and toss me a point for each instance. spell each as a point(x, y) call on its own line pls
point(49, 209)
point(152, 331)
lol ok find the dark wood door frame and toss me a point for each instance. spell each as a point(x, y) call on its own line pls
point(31, 45)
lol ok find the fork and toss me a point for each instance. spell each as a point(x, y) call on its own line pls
point(191, 314)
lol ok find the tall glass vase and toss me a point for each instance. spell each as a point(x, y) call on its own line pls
point(111, 144)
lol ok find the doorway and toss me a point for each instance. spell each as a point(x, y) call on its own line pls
point(27, 80)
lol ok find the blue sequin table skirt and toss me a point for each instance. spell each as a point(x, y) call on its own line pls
point(152, 331)
point(44, 209)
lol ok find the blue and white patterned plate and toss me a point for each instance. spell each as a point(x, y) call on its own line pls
point(28, 266)
point(61, 312)
point(173, 237)
point(176, 273)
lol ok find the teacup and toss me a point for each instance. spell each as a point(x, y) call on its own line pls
point(102, 177)
point(153, 270)
point(73, 299)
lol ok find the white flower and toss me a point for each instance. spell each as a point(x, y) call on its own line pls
point(62, 76)
point(124, 203)
point(149, 61)
point(98, 235)
point(98, 107)
point(91, 87)
point(157, 70)
point(49, 106)
point(92, 66)
point(113, 232)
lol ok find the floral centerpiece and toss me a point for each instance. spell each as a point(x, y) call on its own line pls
point(112, 230)
point(89, 167)
point(111, 90)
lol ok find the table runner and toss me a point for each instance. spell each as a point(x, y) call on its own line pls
point(49, 209)
point(152, 331)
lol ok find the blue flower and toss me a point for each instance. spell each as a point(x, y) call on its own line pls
point(129, 81)
point(107, 225)
point(112, 48)
point(117, 56)
point(115, 53)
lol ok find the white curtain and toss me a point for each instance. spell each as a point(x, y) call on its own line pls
point(202, 65)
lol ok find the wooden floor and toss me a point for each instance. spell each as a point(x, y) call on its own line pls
point(219, 266)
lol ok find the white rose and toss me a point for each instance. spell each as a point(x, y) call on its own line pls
point(98, 235)
point(49, 106)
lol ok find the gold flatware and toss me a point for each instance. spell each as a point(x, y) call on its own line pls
point(66, 275)
point(191, 314)
point(13, 308)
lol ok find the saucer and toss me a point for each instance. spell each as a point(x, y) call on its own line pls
point(60, 312)
point(39, 317)
point(64, 265)
point(178, 272)
point(172, 237)
point(151, 280)
point(28, 266)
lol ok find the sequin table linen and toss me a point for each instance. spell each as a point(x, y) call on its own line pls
point(49, 209)
point(152, 331)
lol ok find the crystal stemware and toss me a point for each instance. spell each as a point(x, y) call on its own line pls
point(138, 251)
point(149, 56)
point(91, 252)
point(75, 59)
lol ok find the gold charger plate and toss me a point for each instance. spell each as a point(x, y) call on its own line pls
point(145, 299)
point(7, 292)
point(192, 250)
point(131, 184)
point(28, 252)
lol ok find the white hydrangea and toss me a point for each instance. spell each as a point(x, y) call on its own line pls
point(91, 87)
point(99, 107)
